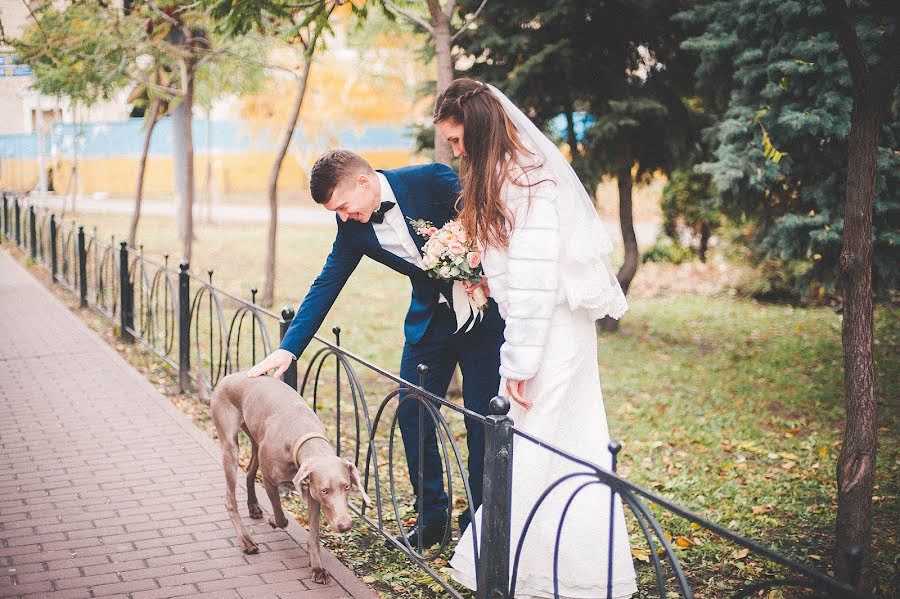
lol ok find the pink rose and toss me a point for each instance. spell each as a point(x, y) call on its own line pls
point(446, 237)
point(457, 248)
point(431, 230)
point(424, 231)
point(474, 259)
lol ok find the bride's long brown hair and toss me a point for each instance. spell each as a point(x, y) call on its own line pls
point(492, 148)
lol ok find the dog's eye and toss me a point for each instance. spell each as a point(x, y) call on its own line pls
point(347, 487)
point(324, 491)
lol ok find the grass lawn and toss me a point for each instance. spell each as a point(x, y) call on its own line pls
point(729, 407)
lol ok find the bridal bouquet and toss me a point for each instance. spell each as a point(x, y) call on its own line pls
point(450, 256)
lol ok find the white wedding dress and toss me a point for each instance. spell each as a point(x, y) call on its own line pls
point(554, 348)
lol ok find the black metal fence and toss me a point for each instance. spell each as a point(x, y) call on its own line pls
point(206, 333)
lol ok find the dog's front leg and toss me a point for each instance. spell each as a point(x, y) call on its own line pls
point(320, 574)
point(277, 520)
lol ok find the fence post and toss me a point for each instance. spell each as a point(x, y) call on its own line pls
point(53, 234)
point(32, 232)
point(290, 375)
point(184, 327)
point(855, 554)
point(126, 296)
point(18, 214)
point(3, 218)
point(493, 556)
point(82, 267)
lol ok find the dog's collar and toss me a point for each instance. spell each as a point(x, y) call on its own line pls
point(295, 450)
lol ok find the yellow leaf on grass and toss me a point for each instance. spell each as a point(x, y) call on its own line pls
point(761, 509)
point(683, 541)
point(640, 554)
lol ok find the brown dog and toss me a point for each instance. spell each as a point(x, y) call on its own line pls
point(289, 444)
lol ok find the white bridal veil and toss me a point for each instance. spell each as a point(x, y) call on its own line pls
point(587, 276)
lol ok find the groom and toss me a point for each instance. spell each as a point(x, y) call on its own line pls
point(373, 212)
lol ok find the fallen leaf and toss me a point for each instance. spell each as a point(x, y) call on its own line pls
point(683, 541)
point(641, 554)
point(740, 553)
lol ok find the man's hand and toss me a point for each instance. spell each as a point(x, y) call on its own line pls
point(280, 360)
point(516, 390)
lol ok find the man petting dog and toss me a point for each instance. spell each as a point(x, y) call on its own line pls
point(373, 211)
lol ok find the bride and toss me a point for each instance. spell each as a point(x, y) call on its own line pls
point(545, 256)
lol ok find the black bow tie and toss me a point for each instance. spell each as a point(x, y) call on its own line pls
point(378, 215)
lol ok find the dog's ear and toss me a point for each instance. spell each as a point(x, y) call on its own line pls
point(301, 480)
point(354, 477)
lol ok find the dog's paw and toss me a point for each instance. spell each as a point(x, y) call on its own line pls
point(275, 523)
point(249, 546)
point(255, 511)
point(320, 576)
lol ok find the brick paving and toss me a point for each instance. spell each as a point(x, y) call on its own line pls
point(106, 489)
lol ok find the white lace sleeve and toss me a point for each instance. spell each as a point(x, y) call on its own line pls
point(532, 281)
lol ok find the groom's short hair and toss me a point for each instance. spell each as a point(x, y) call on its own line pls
point(333, 167)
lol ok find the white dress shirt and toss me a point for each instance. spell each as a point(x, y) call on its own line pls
point(393, 234)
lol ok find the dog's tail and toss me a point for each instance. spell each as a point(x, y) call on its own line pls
point(204, 389)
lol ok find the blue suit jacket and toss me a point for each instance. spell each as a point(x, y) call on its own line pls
point(423, 192)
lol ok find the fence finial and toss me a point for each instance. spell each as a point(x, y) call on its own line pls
point(614, 448)
point(499, 406)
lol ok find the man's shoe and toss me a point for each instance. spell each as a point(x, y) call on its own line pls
point(431, 534)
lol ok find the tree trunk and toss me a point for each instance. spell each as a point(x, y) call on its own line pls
point(872, 93)
point(856, 464)
point(76, 184)
point(571, 138)
point(269, 267)
point(139, 190)
point(626, 221)
point(704, 241)
point(207, 180)
point(443, 55)
point(185, 170)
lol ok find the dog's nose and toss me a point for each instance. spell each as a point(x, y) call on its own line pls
point(345, 525)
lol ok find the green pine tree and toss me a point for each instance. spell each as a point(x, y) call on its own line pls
point(774, 74)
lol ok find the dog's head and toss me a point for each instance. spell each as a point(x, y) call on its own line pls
point(330, 480)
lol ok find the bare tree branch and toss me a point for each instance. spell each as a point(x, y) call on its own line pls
point(451, 6)
point(260, 63)
point(468, 22)
point(437, 13)
point(34, 18)
point(417, 20)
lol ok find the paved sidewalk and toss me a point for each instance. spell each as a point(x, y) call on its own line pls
point(106, 489)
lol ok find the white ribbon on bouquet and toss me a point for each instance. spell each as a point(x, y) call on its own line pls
point(465, 307)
